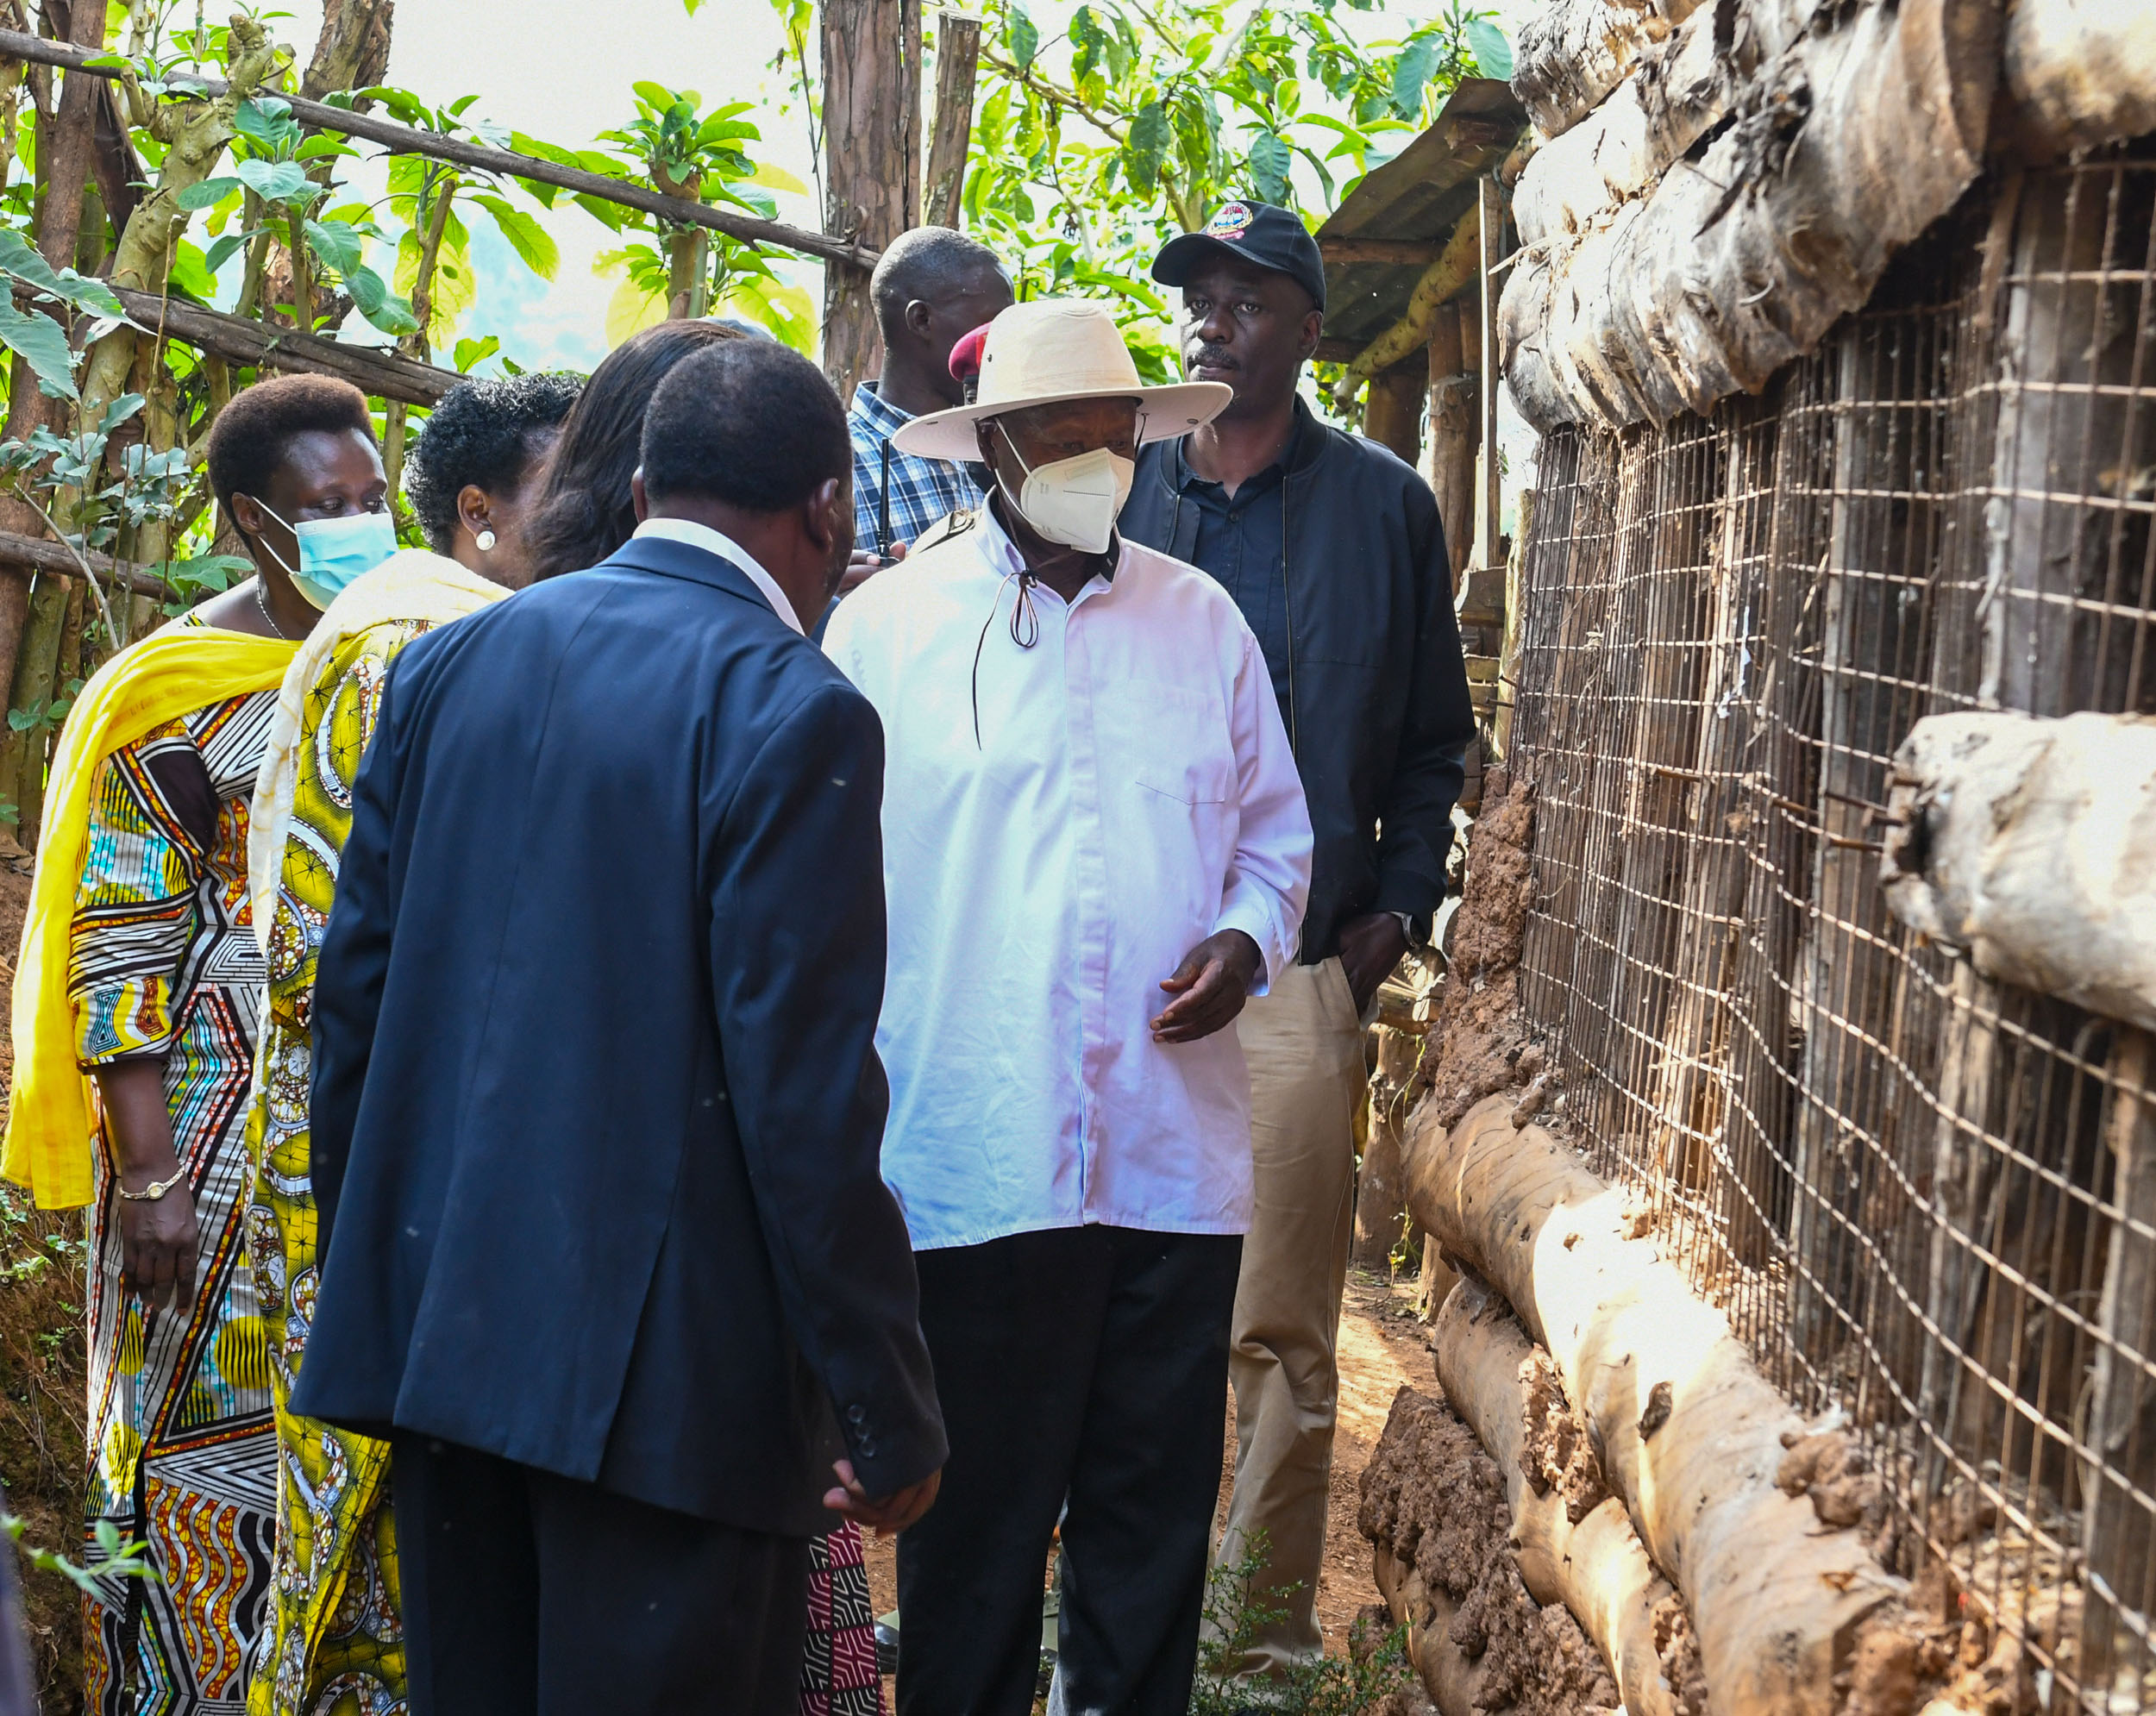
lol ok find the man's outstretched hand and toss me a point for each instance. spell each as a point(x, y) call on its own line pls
point(1210, 987)
point(889, 1515)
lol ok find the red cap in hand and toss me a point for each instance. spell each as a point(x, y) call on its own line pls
point(965, 360)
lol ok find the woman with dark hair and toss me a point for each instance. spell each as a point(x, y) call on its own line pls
point(333, 1631)
point(481, 466)
point(140, 972)
point(586, 512)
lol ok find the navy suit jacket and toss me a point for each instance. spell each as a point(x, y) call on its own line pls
point(597, 1109)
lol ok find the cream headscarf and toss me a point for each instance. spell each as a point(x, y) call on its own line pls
point(410, 585)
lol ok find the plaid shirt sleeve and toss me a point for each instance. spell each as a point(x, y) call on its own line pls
point(922, 491)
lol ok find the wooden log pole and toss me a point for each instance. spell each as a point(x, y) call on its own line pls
point(239, 340)
point(2117, 1530)
point(957, 65)
point(1455, 431)
point(871, 163)
point(1490, 238)
point(1690, 1432)
point(1392, 415)
point(1452, 272)
point(405, 139)
point(1594, 1565)
point(1395, 253)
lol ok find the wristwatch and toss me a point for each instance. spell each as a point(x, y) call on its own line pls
point(150, 1195)
point(1406, 926)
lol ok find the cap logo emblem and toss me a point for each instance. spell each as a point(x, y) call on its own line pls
point(1229, 221)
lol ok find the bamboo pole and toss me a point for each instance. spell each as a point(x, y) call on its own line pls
point(406, 140)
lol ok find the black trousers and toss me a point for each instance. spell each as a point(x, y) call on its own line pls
point(527, 1592)
point(1083, 1372)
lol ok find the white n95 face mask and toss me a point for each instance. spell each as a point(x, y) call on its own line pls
point(1074, 501)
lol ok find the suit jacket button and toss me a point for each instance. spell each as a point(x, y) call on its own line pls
point(856, 1414)
point(868, 1448)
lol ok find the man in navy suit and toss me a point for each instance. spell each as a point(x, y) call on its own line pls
point(596, 1107)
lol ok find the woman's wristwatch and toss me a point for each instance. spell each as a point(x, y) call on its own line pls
point(150, 1194)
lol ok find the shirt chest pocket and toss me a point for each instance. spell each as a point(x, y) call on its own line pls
point(1184, 750)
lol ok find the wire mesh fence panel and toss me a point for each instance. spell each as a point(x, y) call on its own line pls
point(1925, 1199)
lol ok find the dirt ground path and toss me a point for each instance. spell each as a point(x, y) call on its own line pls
point(1381, 1346)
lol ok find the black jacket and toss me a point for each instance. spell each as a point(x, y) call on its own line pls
point(597, 1108)
point(1380, 717)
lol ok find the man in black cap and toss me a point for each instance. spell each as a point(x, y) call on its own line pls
point(1331, 547)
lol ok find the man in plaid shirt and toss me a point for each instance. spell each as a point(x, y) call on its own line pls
point(932, 287)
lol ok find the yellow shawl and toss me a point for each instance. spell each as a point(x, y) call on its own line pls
point(144, 687)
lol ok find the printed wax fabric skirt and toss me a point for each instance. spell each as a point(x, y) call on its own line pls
point(164, 966)
point(838, 1663)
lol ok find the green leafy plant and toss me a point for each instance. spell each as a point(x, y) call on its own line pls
point(1238, 1613)
point(35, 336)
point(1094, 146)
point(120, 1557)
point(685, 270)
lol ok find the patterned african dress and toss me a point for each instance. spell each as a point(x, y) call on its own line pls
point(333, 1640)
point(163, 966)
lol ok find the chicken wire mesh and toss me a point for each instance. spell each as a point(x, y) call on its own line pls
point(1924, 1199)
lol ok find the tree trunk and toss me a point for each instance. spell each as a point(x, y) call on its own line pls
point(194, 135)
point(957, 58)
point(63, 161)
point(872, 161)
point(352, 52)
point(37, 663)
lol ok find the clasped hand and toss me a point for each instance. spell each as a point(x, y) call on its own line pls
point(888, 1515)
point(1210, 987)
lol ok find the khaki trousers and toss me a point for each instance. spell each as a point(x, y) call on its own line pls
point(1303, 1047)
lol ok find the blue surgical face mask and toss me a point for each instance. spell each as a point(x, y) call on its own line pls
point(334, 551)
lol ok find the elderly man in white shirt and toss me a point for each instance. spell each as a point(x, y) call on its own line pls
point(1095, 848)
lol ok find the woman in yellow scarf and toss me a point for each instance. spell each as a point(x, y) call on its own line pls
point(333, 1637)
point(140, 977)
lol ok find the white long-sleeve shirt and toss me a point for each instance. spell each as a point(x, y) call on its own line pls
point(1133, 793)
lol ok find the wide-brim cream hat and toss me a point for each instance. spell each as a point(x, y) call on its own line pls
point(1053, 349)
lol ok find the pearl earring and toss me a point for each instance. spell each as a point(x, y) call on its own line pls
point(486, 542)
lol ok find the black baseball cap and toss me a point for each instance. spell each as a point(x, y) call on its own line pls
point(1251, 232)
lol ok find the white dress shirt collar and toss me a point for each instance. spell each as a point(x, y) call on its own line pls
point(718, 543)
point(1004, 559)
